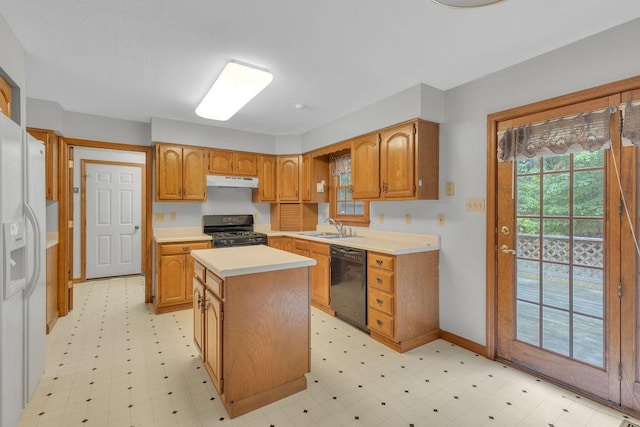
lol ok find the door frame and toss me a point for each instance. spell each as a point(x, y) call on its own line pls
point(492, 185)
point(83, 208)
point(65, 239)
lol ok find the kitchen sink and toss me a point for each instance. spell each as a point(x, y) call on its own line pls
point(322, 235)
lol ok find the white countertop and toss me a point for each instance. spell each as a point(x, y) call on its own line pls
point(387, 242)
point(179, 234)
point(239, 260)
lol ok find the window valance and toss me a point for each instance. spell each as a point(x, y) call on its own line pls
point(340, 165)
point(631, 123)
point(566, 134)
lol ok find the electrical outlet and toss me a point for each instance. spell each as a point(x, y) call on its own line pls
point(407, 218)
point(159, 216)
point(381, 218)
point(451, 188)
point(440, 220)
point(255, 215)
point(172, 216)
point(475, 205)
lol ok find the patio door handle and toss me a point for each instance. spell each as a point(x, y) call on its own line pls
point(507, 250)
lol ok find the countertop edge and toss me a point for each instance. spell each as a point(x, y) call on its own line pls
point(231, 272)
point(411, 247)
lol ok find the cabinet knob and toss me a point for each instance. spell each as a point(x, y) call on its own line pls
point(379, 322)
point(379, 301)
point(379, 279)
point(379, 261)
point(185, 248)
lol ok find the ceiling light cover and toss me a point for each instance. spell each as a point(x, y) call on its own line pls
point(465, 3)
point(232, 90)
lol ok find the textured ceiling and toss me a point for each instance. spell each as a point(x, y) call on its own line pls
point(137, 59)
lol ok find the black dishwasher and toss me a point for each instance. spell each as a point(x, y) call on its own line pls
point(349, 285)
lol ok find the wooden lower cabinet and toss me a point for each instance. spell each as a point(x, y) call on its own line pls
point(255, 335)
point(403, 299)
point(174, 275)
point(198, 313)
point(321, 277)
point(213, 339)
point(52, 287)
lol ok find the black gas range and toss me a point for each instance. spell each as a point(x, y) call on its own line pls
point(232, 230)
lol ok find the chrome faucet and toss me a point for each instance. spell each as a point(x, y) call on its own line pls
point(338, 225)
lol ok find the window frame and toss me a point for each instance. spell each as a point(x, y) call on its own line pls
point(351, 220)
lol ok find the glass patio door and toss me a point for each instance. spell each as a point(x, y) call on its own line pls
point(558, 264)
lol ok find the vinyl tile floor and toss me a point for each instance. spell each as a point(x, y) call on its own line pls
point(113, 362)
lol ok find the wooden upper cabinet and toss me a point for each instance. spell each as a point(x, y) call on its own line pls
point(306, 177)
point(180, 173)
point(288, 178)
point(5, 98)
point(314, 171)
point(397, 167)
point(365, 167)
point(399, 163)
point(50, 141)
point(169, 172)
point(225, 162)
point(193, 175)
point(221, 162)
point(246, 164)
point(266, 191)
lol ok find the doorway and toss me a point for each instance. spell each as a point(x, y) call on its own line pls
point(562, 297)
point(66, 225)
point(111, 217)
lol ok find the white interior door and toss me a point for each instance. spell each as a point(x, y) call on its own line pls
point(113, 208)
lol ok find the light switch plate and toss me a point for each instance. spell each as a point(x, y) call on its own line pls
point(475, 204)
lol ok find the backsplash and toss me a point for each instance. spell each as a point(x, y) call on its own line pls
point(219, 201)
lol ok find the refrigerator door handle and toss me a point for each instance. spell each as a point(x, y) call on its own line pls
point(31, 283)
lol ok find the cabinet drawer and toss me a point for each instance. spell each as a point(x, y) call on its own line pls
point(302, 245)
point(320, 248)
point(385, 262)
point(199, 271)
point(381, 279)
point(181, 248)
point(381, 323)
point(381, 301)
point(214, 283)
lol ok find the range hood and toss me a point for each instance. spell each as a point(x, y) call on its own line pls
point(232, 181)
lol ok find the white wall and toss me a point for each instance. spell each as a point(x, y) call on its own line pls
point(219, 201)
point(50, 115)
point(165, 130)
point(83, 153)
point(417, 101)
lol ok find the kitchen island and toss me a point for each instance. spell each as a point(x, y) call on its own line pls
point(252, 323)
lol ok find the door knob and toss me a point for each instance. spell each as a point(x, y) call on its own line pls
point(507, 250)
point(136, 227)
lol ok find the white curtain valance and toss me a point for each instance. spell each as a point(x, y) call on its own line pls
point(630, 123)
point(341, 165)
point(579, 132)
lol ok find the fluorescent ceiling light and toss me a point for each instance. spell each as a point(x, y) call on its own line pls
point(232, 90)
point(465, 3)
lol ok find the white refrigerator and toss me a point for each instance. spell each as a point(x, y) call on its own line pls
point(22, 269)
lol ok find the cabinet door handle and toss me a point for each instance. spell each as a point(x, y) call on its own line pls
point(379, 322)
point(185, 248)
point(379, 279)
point(379, 301)
point(379, 261)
